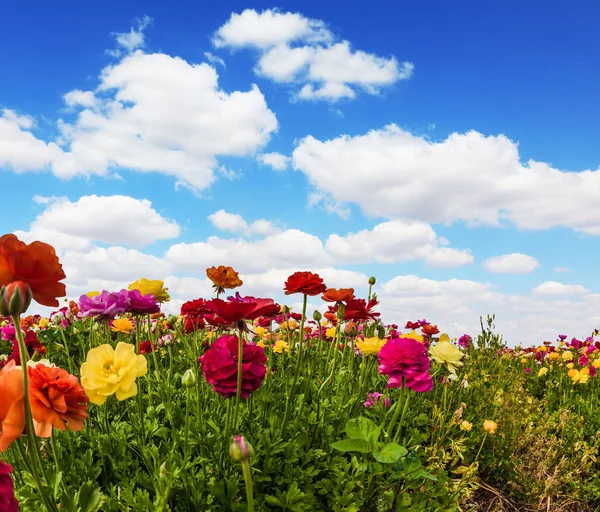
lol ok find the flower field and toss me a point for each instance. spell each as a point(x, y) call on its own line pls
point(239, 403)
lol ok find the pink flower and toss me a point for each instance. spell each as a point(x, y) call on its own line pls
point(8, 502)
point(405, 359)
point(220, 366)
point(583, 361)
point(373, 398)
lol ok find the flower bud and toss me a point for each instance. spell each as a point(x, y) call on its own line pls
point(372, 280)
point(351, 329)
point(15, 298)
point(317, 316)
point(172, 319)
point(189, 378)
point(380, 332)
point(341, 311)
point(240, 449)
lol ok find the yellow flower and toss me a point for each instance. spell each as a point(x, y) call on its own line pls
point(596, 363)
point(92, 294)
point(445, 353)
point(466, 426)
point(330, 333)
point(553, 356)
point(260, 331)
point(490, 426)
point(567, 356)
point(123, 325)
point(155, 287)
point(413, 335)
point(290, 324)
point(109, 371)
point(44, 323)
point(280, 346)
point(444, 337)
point(262, 344)
point(542, 348)
point(370, 346)
point(570, 365)
point(579, 376)
point(523, 360)
point(543, 371)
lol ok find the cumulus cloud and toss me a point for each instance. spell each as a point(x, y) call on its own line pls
point(554, 288)
point(276, 161)
point(515, 263)
point(235, 223)
point(474, 178)
point(298, 50)
point(132, 40)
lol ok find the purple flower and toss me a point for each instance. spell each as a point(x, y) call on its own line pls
point(105, 305)
point(562, 337)
point(373, 398)
point(142, 304)
point(465, 341)
point(405, 360)
point(9, 333)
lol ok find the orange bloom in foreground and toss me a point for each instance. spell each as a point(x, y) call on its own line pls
point(224, 277)
point(36, 265)
point(56, 398)
point(12, 406)
point(338, 295)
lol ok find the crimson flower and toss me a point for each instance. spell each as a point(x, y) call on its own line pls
point(233, 312)
point(220, 366)
point(8, 502)
point(306, 283)
point(405, 359)
point(358, 310)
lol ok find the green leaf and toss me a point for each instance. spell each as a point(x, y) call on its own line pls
point(90, 498)
point(390, 453)
point(363, 428)
point(352, 445)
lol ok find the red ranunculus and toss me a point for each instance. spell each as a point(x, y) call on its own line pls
point(306, 283)
point(232, 312)
point(358, 310)
point(338, 295)
point(430, 330)
point(220, 366)
point(8, 502)
point(147, 347)
point(405, 358)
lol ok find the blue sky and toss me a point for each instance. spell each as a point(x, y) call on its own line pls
point(513, 82)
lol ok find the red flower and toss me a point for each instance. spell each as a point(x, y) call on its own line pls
point(232, 312)
point(147, 347)
point(56, 399)
point(341, 295)
point(304, 282)
point(413, 325)
point(32, 344)
point(220, 365)
point(359, 311)
point(8, 502)
point(36, 265)
point(194, 308)
point(429, 329)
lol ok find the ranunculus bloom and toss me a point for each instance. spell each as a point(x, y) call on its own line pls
point(358, 310)
point(56, 399)
point(370, 346)
point(8, 502)
point(147, 347)
point(123, 325)
point(32, 344)
point(220, 366)
point(142, 304)
point(306, 283)
point(109, 371)
point(153, 287)
point(224, 277)
point(445, 353)
point(430, 330)
point(338, 295)
point(233, 312)
point(12, 406)
point(36, 265)
point(490, 426)
point(105, 305)
point(406, 358)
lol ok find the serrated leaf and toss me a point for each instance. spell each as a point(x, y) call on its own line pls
point(352, 445)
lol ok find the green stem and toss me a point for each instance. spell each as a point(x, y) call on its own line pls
point(238, 395)
point(480, 447)
point(397, 410)
point(248, 482)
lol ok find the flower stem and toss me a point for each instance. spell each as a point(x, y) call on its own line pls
point(248, 482)
point(480, 447)
point(399, 407)
point(238, 395)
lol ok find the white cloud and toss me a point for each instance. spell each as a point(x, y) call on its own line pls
point(480, 180)
point(553, 288)
point(150, 113)
point(235, 223)
point(132, 40)
point(396, 241)
point(515, 263)
point(213, 59)
point(562, 269)
point(276, 161)
point(107, 219)
point(302, 51)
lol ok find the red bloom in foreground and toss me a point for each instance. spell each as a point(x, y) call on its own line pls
point(8, 502)
point(306, 283)
point(232, 312)
point(405, 358)
point(358, 310)
point(220, 366)
point(32, 344)
point(56, 399)
point(147, 347)
point(36, 265)
point(341, 295)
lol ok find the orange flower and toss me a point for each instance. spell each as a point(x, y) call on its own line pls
point(27, 322)
point(56, 398)
point(12, 405)
point(74, 307)
point(36, 265)
point(224, 277)
point(430, 330)
point(341, 295)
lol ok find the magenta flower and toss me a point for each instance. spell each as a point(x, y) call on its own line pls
point(373, 398)
point(405, 359)
point(105, 305)
point(142, 304)
point(527, 370)
point(583, 361)
point(465, 341)
point(593, 371)
point(8, 502)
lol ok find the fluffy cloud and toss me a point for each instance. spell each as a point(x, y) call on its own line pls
point(276, 161)
point(396, 241)
point(235, 223)
point(554, 288)
point(149, 113)
point(480, 180)
point(515, 263)
point(107, 219)
point(295, 49)
point(132, 40)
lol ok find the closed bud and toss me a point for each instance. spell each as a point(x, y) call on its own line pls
point(351, 329)
point(189, 378)
point(240, 449)
point(15, 298)
point(285, 310)
point(372, 280)
point(380, 332)
point(172, 319)
point(317, 316)
point(341, 312)
point(59, 347)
